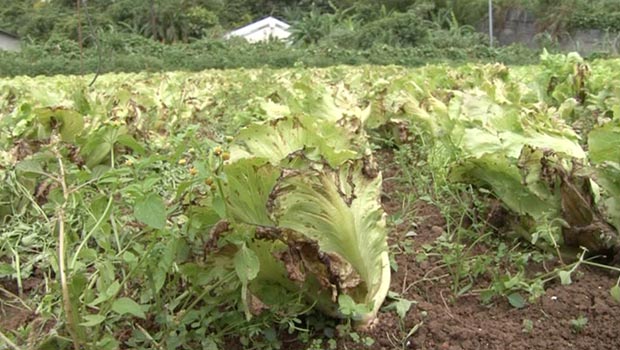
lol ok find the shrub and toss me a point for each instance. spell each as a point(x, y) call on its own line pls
point(139, 54)
point(400, 29)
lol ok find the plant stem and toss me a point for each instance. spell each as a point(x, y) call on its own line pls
point(32, 201)
point(9, 342)
point(608, 267)
point(116, 236)
point(16, 297)
point(18, 272)
point(149, 337)
point(91, 232)
point(206, 290)
point(66, 297)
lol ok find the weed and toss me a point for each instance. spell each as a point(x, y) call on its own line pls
point(578, 324)
point(527, 325)
point(364, 341)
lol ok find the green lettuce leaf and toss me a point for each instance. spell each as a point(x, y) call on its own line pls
point(250, 182)
point(604, 152)
point(345, 219)
point(275, 140)
point(311, 191)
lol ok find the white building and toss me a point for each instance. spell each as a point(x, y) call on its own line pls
point(9, 41)
point(265, 29)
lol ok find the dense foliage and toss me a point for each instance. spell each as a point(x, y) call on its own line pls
point(156, 35)
point(532, 158)
point(184, 20)
point(178, 210)
point(118, 54)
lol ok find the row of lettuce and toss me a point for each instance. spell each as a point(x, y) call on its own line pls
point(285, 215)
point(167, 220)
point(548, 148)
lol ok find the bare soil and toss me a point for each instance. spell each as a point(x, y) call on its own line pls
point(12, 317)
point(465, 323)
point(18, 312)
point(14, 313)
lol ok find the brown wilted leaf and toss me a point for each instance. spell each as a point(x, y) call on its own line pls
point(587, 227)
point(255, 305)
point(342, 271)
point(216, 232)
point(304, 257)
point(293, 264)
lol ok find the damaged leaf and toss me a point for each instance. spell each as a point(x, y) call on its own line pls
point(304, 183)
point(247, 267)
point(352, 230)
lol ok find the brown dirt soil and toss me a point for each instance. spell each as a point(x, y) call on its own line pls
point(464, 323)
point(13, 317)
point(13, 313)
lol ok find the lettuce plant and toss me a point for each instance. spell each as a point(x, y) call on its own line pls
point(305, 191)
point(531, 160)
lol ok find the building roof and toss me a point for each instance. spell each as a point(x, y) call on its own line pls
point(267, 22)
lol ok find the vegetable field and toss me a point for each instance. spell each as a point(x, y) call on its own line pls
point(344, 208)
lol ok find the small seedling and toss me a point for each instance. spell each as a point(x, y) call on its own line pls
point(317, 344)
point(400, 305)
point(579, 324)
point(365, 341)
point(528, 326)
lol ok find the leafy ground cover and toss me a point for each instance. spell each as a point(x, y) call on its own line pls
point(357, 207)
